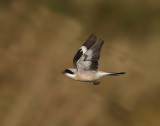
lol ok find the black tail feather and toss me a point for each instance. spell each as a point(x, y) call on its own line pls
point(115, 74)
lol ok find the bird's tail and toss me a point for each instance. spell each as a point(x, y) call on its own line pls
point(116, 74)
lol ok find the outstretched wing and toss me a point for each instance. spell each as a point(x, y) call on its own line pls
point(87, 45)
point(89, 61)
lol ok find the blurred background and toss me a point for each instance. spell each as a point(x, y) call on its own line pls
point(39, 38)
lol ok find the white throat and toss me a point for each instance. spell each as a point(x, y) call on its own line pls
point(72, 76)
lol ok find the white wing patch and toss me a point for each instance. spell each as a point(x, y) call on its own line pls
point(84, 49)
point(83, 64)
point(89, 54)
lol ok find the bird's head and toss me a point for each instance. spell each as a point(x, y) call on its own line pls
point(69, 72)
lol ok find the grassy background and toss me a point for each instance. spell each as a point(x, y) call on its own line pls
point(39, 38)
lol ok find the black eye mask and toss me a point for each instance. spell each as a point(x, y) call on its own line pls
point(68, 71)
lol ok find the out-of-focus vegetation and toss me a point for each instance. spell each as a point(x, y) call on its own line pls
point(39, 38)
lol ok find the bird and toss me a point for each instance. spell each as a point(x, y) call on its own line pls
point(86, 62)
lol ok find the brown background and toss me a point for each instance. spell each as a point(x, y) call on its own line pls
point(39, 38)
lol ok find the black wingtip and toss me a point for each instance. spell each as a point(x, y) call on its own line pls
point(115, 74)
point(90, 41)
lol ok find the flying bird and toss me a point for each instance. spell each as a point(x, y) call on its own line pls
point(86, 62)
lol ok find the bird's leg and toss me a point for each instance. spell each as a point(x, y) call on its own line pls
point(96, 82)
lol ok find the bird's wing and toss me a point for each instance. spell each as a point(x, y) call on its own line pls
point(89, 60)
point(86, 46)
